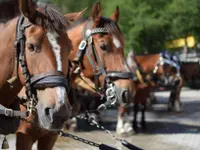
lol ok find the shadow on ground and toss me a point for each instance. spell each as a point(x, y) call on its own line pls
point(152, 128)
point(173, 126)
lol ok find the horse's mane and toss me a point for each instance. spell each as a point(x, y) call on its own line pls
point(110, 25)
point(48, 16)
point(8, 10)
point(51, 18)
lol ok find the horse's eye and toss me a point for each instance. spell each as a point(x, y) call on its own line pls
point(31, 47)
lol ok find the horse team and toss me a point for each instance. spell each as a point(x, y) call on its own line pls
point(51, 56)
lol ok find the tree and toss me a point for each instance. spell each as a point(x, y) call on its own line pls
point(146, 24)
point(184, 17)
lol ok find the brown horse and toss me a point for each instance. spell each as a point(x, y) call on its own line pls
point(190, 73)
point(108, 46)
point(31, 132)
point(102, 58)
point(152, 71)
point(38, 55)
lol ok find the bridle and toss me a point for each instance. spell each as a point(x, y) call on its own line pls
point(33, 82)
point(169, 82)
point(87, 47)
point(163, 61)
point(151, 77)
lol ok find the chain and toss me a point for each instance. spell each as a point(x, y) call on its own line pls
point(62, 134)
point(93, 122)
point(30, 105)
point(27, 121)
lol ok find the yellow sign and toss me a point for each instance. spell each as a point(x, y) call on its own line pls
point(181, 42)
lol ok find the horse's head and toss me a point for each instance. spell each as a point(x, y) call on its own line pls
point(103, 59)
point(110, 48)
point(46, 49)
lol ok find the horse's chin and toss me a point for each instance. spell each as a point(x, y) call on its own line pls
point(48, 125)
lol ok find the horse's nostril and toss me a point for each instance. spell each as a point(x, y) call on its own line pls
point(125, 97)
point(47, 111)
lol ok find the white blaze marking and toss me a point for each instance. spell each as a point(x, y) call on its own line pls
point(52, 37)
point(61, 91)
point(116, 42)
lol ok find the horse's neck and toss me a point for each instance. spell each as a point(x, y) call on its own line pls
point(7, 50)
point(75, 34)
point(7, 61)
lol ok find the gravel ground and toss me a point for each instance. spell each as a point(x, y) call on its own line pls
point(166, 130)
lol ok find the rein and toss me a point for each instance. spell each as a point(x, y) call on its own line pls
point(87, 47)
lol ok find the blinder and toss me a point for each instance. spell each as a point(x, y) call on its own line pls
point(52, 79)
point(120, 75)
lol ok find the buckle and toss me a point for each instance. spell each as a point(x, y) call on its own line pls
point(102, 108)
point(82, 45)
point(9, 112)
point(90, 40)
point(88, 33)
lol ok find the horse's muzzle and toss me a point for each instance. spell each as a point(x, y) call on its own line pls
point(53, 118)
point(53, 108)
point(124, 96)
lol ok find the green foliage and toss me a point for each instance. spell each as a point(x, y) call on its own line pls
point(146, 24)
point(184, 16)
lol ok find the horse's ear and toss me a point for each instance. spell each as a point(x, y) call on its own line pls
point(28, 9)
point(96, 13)
point(74, 16)
point(115, 15)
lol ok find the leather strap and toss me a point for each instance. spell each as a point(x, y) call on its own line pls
point(51, 79)
point(12, 113)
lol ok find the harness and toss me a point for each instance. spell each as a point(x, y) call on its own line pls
point(150, 77)
point(32, 82)
point(163, 60)
point(87, 47)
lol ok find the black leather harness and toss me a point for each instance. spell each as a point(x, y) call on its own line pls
point(87, 47)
